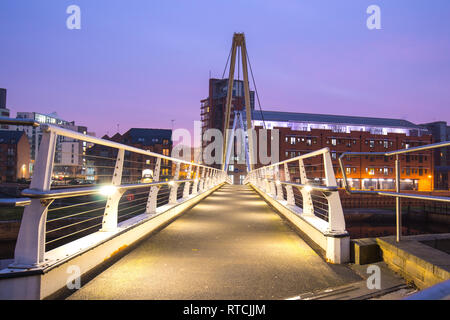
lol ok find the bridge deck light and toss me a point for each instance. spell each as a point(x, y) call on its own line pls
point(171, 183)
point(308, 188)
point(108, 190)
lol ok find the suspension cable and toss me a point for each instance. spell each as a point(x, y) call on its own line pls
point(226, 64)
point(256, 90)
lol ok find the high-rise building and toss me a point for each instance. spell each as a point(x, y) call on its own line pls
point(4, 112)
point(213, 116)
point(212, 109)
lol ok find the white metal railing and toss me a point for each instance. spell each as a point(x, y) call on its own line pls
point(305, 183)
point(53, 216)
point(304, 189)
point(397, 194)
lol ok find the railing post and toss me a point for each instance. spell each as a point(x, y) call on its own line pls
point(216, 179)
point(201, 186)
point(209, 178)
point(30, 246)
point(279, 187)
point(398, 204)
point(187, 184)
point(174, 186)
point(110, 215)
point(273, 188)
point(336, 221)
point(289, 192)
point(267, 184)
point(308, 206)
point(206, 183)
point(152, 200)
point(196, 180)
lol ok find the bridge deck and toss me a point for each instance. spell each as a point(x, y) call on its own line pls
point(230, 246)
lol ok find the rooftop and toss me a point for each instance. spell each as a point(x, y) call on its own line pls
point(147, 136)
point(332, 119)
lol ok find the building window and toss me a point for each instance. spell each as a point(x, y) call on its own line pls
point(231, 167)
point(333, 142)
point(292, 140)
point(371, 143)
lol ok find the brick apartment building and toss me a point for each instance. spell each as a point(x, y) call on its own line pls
point(14, 156)
point(301, 133)
point(101, 159)
point(212, 110)
point(213, 114)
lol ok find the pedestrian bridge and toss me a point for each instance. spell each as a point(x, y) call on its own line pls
point(180, 231)
point(232, 245)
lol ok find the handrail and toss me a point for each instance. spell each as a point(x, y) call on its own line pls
point(14, 202)
point(319, 215)
point(76, 192)
point(402, 195)
point(79, 136)
point(397, 194)
point(304, 156)
point(308, 186)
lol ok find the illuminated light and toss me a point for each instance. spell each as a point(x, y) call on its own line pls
point(278, 182)
point(430, 176)
point(108, 190)
point(308, 188)
point(147, 172)
point(171, 183)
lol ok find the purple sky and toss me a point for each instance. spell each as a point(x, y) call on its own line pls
point(142, 63)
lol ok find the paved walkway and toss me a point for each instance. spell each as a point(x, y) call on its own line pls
point(232, 245)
